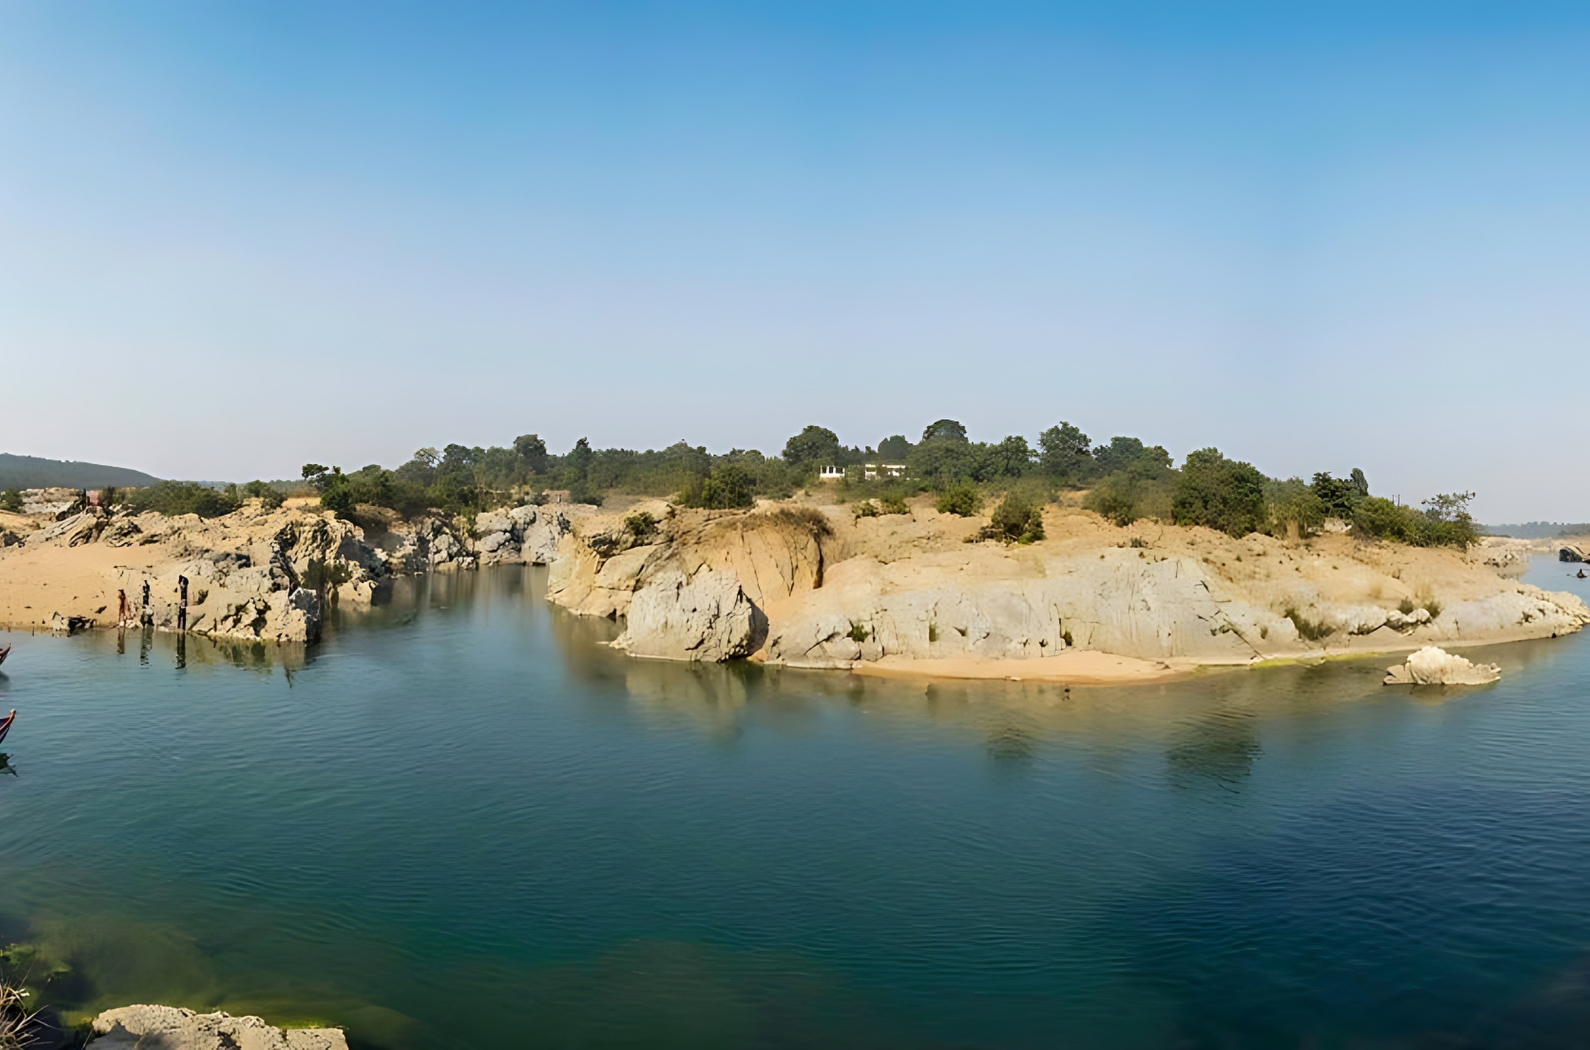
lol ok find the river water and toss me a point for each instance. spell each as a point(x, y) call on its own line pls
point(460, 821)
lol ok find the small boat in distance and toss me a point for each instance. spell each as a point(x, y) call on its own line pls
point(5, 724)
point(4, 653)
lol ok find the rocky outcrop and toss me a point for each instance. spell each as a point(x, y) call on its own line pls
point(73, 531)
point(952, 605)
point(425, 545)
point(702, 577)
point(171, 1028)
point(1433, 666)
point(50, 502)
point(1508, 556)
point(920, 589)
point(1572, 552)
point(528, 535)
point(705, 618)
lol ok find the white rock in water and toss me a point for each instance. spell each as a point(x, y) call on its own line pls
point(170, 1028)
point(1433, 666)
point(708, 618)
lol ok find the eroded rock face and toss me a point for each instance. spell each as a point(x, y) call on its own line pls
point(917, 597)
point(705, 618)
point(1434, 666)
point(937, 608)
point(171, 1028)
point(525, 534)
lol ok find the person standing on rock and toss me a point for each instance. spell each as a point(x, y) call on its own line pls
point(147, 614)
point(182, 607)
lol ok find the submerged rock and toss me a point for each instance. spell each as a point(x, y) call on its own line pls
point(1435, 666)
point(171, 1028)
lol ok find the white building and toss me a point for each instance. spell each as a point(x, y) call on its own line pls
point(831, 474)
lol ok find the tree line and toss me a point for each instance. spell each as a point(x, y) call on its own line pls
point(1126, 480)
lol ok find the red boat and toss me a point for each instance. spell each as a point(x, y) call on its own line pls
point(5, 724)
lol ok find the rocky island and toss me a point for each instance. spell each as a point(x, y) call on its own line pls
point(804, 582)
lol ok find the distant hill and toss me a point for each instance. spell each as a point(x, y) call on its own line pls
point(32, 472)
point(1537, 530)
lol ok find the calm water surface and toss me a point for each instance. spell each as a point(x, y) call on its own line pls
point(462, 822)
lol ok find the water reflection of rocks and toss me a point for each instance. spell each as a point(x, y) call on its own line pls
point(184, 650)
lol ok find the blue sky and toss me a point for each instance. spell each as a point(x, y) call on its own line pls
point(237, 237)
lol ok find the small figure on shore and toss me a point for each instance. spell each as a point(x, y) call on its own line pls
point(182, 608)
point(123, 613)
point(147, 614)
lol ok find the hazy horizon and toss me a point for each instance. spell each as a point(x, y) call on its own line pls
point(233, 240)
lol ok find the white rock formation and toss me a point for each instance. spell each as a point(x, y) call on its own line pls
point(1433, 666)
point(171, 1028)
point(526, 534)
point(705, 618)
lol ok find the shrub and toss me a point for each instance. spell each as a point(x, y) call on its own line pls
point(894, 505)
point(182, 497)
point(1293, 505)
point(1219, 493)
point(804, 519)
point(1114, 498)
point(1339, 497)
point(866, 509)
point(1445, 522)
point(1309, 630)
point(11, 499)
point(727, 487)
point(1016, 520)
point(962, 500)
point(1382, 519)
point(582, 492)
point(266, 494)
point(641, 525)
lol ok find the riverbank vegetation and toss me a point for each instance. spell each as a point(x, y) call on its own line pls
point(1124, 479)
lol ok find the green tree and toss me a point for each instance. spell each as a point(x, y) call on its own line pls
point(182, 497)
point(1130, 456)
point(11, 499)
point(894, 449)
point(943, 463)
point(1065, 453)
point(1339, 498)
point(1220, 493)
point(1293, 507)
point(1011, 458)
point(814, 446)
point(532, 452)
point(945, 430)
point(728, 486)
point(578, 461)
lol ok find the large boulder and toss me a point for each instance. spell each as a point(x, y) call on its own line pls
point(706, 618)
point(1433, 666)
point(171, 1028)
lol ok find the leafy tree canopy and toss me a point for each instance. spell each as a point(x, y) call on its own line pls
point(945, 430)
point(813, 446)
